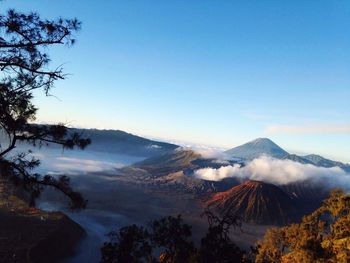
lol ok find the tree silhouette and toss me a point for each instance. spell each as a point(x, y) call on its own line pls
point(217, 246)
point(168, 240)
point(130, 244)
point(172, 237)
point(24, 42)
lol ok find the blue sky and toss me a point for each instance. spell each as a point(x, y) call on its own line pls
point(209, 72)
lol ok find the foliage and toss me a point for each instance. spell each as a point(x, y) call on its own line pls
point(216, 245)
point(168, 240)
point(172, 236)
point(130, 244)
point(323, 236)
point(24, 43)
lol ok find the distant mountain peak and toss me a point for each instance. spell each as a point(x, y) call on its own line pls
point(261, 140)
point(256, 148)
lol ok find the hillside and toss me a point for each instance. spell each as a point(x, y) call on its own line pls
point(256, 202)
point(327, 163)
point(117, 142)
point(256, 148)
point(31, 235)
point(120, 142)
point(170, 162)
point(297, 158)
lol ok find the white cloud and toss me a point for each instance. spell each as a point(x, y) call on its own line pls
point(279, 172)
point(208, 152)
point(312, 129)
point(154, 146)
point(68, 164)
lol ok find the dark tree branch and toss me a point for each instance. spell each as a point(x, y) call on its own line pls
point(24, 40)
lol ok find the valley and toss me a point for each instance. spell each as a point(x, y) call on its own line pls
point(174, 131)
point(140, 190)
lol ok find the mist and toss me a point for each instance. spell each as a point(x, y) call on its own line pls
point(278, 172)
point(57, 161)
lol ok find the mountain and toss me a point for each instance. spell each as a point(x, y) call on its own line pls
point(116, 142)
point(261, 146)
point(256, 202)
point(297, 158)
point(306, 194)
point(174, 171)
point(170, 162)
point(120, 142)
point(256, 148)
point(323, 162)
point(181, 159)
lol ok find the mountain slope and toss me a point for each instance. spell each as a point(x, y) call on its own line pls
point(256, 202)
point(170, 162)
point(29, 234)
point(323, 162)
point(116, 142)
point(174, 170)
point(256, 148)
point(181, 159)
point(306, 194)
point(120, 142)
point(297, 158)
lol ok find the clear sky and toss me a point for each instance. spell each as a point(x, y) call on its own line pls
point(210, 72)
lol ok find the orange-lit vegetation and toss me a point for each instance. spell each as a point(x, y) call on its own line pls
point(323, 236)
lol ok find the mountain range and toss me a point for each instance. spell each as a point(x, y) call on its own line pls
point(120, 142)
point(264, 146)
point(188, 161)
point(115, 142)
point(256, 202)
point(171, 168)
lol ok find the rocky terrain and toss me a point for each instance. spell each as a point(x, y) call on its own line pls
point(174, 171)
point(255, 202)
point(29, 234)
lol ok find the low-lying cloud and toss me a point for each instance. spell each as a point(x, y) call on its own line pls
point(55, 161)
point(208, 152)
point(69, 164)
point(279, 172)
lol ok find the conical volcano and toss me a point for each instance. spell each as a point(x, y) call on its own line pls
point(256, 202)
point(256, 148)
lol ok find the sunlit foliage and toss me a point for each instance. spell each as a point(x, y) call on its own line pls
point(323, 236)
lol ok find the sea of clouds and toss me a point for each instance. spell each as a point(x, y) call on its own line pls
point(78, 162)
point(278, 172)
